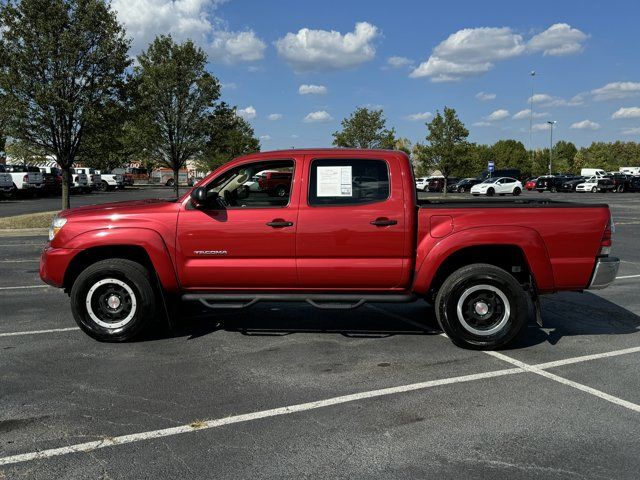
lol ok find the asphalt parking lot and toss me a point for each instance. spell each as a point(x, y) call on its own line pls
point(287, 391)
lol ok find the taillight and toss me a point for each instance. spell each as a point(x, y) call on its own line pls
point(605, 243)
point(25, 179)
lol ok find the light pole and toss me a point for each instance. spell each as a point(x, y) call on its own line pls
point(551, 124)
point(532, 74)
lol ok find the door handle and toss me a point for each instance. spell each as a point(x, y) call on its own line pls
point(383, 222)
point(277, 223)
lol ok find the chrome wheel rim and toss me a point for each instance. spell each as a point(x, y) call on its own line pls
point(111, 303)
point(483, 310)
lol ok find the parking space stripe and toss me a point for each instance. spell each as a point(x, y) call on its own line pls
point(205, 425)
point(20, 261)
point(579, 386)
point(23, 287)
point(627, 276)
point(37, 332)
point(585, 358)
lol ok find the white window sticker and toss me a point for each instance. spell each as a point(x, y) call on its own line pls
point(334, 182)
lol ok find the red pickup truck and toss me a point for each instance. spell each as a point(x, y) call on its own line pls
point(349, 230)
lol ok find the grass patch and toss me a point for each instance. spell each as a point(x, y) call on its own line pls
point(31, 220)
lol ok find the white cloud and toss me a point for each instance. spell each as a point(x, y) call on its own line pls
point(248, 113)
point(496, 115)
point(526, 113)
point(546, 100)
point(317, 50)
point(274, 116)
point(474, 51)
point(585, 125)
point(187, 19)
point(229, 86)
point(233, 47)
point(265, 138)
point(482, 124)
point(629, 112)
point(312, 90)
point(616, 90)
point(317, 117)
point(399, 62)
point(416, 117)
point(484, 96)
point(631, 131)
point(539, 127)
point(557, 40)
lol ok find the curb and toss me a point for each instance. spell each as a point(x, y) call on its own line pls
point(23, 232)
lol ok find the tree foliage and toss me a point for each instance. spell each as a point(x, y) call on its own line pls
point(62, 63)
point(448, 148)
point(175, 96)
point(229, 136)
point(365, 129)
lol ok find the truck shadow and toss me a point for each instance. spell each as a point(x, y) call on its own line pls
point(564, 315)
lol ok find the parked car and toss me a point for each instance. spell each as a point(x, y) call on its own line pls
point(6, 183)
point(276, 184)
point(596, 184)
point(79, 181)
point(463, 185)
point(436, 184)
point(421, 184)
point(530, 184)
point(621, 181)
point(52, 177)
point(634, 184)
point(26, 180)
point(633, 171)
point(111, 181)
point(570, 184)
point(551, 183)
point(499, 186)
point(475, 261)
point(127, 177)
point(93, 177)
point(592, 172)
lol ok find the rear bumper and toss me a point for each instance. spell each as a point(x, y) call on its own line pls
point(604, 273)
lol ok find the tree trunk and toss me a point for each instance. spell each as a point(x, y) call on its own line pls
point(176, 187)
point(66, 187)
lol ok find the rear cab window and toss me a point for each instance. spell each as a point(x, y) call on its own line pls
point(347, 181)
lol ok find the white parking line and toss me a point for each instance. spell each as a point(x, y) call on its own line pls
point(519, 367)
point(627, 276)
point(20, 261)
point(23, 287)
point(537, 370)
point(36, 332)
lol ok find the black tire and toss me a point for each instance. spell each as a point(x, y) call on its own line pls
point(490, 192)
point(594, 190)
point(517, 191)
point(620, 189)
point(170, 182)
point(281, 191)
point(493, 286)
point(89, 300)
point(104, 186)
point(554, 190)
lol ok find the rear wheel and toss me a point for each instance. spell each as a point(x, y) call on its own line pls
point(113, 300)
point(517, 191)
point(481, 306)
point(281, 191)
point(620, 188)
point(554, 189)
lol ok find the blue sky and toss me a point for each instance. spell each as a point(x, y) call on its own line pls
point(448, 53)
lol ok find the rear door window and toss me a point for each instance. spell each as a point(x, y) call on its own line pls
point(348, 182)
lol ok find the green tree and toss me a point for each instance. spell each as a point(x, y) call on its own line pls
point(511, 154)
point(61, 63)
point(404, 145)
point(563, 156)
point(229, 136)
point(174, 100)
point(365, 129)
point(448, 146)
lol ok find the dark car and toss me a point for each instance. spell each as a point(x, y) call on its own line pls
point(634, 184)
point(464, 185)
point(52, 178)
point(551, 183)
point(621, 181)
point(437, 184)
point(570, 184)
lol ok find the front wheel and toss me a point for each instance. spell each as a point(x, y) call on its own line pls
point(594, 190)
point(113, 300)
point(517, 191)
point(481, 306)
point(490, 192)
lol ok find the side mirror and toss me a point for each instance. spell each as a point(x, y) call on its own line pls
point(198, 196)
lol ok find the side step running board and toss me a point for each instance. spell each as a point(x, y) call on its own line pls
point(318, 300)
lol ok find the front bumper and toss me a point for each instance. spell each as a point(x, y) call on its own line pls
point(54, 263)
point(604, 273)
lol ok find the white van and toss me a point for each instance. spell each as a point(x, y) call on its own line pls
point(630, 170)
point(592, 172)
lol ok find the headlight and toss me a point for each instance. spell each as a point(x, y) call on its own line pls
point(56, 225)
